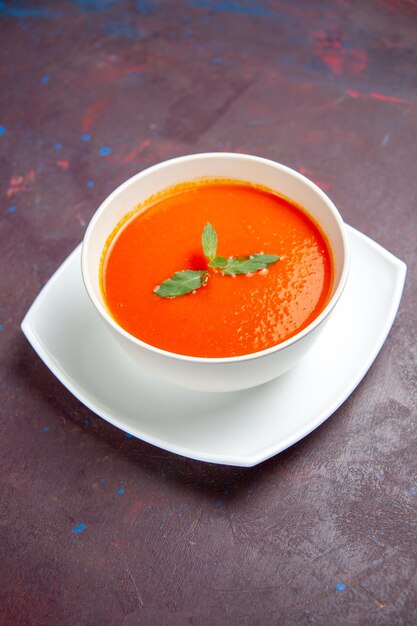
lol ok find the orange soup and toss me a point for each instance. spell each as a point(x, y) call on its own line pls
point(229, 315)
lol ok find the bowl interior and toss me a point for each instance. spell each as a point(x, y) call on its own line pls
point(247, 168)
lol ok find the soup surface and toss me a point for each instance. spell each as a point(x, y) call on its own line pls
point(229, 315)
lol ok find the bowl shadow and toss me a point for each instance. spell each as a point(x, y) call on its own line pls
point(210, 480)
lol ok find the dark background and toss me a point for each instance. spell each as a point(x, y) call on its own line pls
point(324, 533)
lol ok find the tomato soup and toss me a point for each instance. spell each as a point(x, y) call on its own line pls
point(229, 315)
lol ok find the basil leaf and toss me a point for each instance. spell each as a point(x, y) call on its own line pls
point(242, 265)
point(181, 283)
point(218, 261)
point(265, 258)
point(248, 264)
point(187, 281)
point(209, 241)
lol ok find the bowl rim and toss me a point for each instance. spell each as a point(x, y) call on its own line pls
point(280, 347)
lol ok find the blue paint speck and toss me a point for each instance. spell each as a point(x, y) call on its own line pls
point(385, 140)
point(103, 480)
point(86, 421)
point(340, 587)
point(145, 7)
point(105, 150)
point(78, 529)
point(58, 146)
point(85, 137)
point(9, 11)
point(233, 6)
point(45, 80)
point(122, 29)
point(90, 6)
point(413, 491)
point(128, 435)
point(2, 130)
point(217, 60)
point(46, 429)
point(89, 183)
point(120, 491)
point(12, 209)
point(1, 327)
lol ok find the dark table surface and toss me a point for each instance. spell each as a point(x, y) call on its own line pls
point(324, 533)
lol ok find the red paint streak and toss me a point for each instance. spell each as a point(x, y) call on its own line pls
point(374, 95)
point(16, 181)
point(351, 62)
point(384, 98)
point(92, 113)
point(355, 94)
point(334, 62)
point(20, 183)
point(331, 49)
point(136, 151)
point(63, 164)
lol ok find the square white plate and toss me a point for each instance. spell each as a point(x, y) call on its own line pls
point(242, 428)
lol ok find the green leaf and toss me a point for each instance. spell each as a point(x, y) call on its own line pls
point(181, 283)
point(248, 264)
point(187, 281)
point(209, 241)
point(242, 265)
point(268, 259)
point(218, 261)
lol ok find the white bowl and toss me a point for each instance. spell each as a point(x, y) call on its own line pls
point(215, 374)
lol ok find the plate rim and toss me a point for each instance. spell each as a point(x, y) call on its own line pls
point(241, 461)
